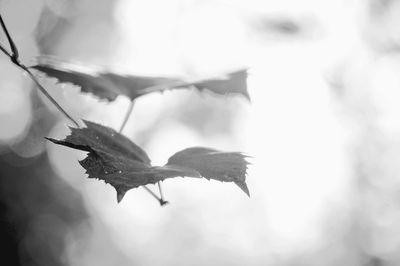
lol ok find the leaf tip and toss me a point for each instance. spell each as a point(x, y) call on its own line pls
point(55, 141)
point(243, 187)
point(87, 123)
point(120, 194)
point(247, 96)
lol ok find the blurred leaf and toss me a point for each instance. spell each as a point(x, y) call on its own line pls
point(230, 83)
point(234, 82)
point(121, 163)
point(109, 85)
point(103, 85)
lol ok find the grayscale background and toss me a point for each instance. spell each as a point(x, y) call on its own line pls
point(323, 127)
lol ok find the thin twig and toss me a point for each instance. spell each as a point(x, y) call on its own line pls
point(126, 118)
point(4, 50)
point(14, 50)
point(14, 57)
point(52, 100)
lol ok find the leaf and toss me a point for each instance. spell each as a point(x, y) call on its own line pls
point(235, 82)
point(124, 165)
point(98, 138)
point(103, 85)
point(213, 164)
point(107, 85)
point(231, 83)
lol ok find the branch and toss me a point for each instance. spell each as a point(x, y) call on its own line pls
point(14, 50)
point(51, 99)
point(4, 50)
point(14, 57)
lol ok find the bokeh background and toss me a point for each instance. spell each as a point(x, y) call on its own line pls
point(322, 126)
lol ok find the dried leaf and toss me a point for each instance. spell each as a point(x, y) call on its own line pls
point(124, 165)
point(109, 85)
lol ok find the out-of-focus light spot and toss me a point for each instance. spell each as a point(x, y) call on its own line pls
point(32, 145)
point(15, 107)
point(12, 96)
point(14, 125)
point(60, 7)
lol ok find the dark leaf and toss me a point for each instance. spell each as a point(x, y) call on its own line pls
point(213, 164)
point(109, 85)
point(99, 138)
point(121, 163)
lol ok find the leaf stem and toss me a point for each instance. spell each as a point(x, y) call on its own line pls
point(162, 201)
point(14, 57)
point(127, 115)
point(126, 118)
